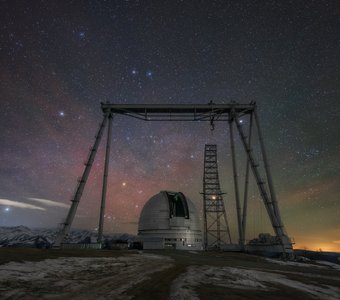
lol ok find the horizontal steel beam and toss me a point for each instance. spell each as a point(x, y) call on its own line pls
point(179, 112)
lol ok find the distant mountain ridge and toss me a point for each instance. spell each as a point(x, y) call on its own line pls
point(22, 236)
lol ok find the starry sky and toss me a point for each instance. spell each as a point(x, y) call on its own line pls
point(60, 59)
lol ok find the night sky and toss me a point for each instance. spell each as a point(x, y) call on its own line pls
point(60, 59)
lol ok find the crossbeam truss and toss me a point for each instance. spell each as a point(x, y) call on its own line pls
point(216, 228)
point(178, 112)
point(211, 112)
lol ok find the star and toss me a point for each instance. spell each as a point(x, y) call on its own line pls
point(7, 209)
point(82, 35)
point(134, 72)
point(149, 74)
point(61, 114)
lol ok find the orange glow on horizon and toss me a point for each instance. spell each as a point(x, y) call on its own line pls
point(325, 247)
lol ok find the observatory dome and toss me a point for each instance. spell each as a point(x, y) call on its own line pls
point(170, 220)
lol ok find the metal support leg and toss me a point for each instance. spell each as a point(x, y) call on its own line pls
point(227, 224)
point(280, 232)
point(246, 184)
point(259, 180)
point(104, 189)
point(77, 196)
point(268, 173)
point(276, 223)
point(205, 237)
point(218, 233)
point(237, 198)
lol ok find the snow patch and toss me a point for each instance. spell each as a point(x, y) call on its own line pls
point(294, 264)
point(184, 286)
point(327, 263)
point(78, 277)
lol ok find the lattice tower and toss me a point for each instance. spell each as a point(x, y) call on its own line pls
point(216, 228)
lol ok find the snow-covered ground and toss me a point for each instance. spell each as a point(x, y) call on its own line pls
point(294, 264)
point(321, 264)
point(329, 264)
point(184, 286)
point(111, 277)
point(78, 277)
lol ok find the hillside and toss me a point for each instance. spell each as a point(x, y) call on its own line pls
point(21, 236)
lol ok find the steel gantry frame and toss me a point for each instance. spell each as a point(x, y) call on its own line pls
point(210, 112)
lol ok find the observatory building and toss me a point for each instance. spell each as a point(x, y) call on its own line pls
point(169, 220)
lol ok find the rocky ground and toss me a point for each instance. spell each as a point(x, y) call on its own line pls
point(99, 274)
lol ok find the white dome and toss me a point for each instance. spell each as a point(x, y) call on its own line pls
point(170, 220)
point(157, 213)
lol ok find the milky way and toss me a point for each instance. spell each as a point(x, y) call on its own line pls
point(60, 59)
